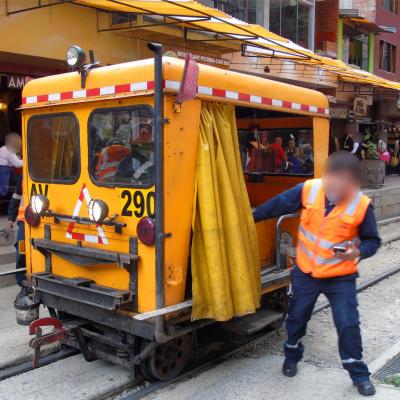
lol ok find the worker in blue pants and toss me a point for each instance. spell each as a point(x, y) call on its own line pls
point(337, 228)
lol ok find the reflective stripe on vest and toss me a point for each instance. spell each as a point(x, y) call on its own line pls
point(312, 196)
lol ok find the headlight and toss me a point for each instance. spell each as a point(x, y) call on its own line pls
point(98, 210)
point(76, 57)
point(39, 204)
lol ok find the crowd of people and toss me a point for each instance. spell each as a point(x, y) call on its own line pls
point(282, 154)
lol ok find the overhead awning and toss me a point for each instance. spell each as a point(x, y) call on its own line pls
point(197, 17)
point(363, 24)
point(216, 26)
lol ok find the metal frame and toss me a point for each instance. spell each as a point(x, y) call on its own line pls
point(281, 219)
point(82, 290)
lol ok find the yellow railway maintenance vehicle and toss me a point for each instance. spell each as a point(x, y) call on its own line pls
point(140, 179)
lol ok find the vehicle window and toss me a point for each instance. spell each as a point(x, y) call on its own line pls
point(53, 148)
point(277, 151)
point(121, 150)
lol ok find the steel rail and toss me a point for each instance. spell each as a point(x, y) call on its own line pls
point(13, 370)
point(153, 387)
point(26, 366)
point(363, 286)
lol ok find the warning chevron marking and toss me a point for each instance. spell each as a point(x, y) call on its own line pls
point(100, 237)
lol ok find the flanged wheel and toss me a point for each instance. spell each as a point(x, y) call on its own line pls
point(168, 359)
point(277, 301)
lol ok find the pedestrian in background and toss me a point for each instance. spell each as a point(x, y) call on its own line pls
point(337, 228)
point(16, 212)
point(8, 160)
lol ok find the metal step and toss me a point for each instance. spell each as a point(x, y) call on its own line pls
point(252, 323)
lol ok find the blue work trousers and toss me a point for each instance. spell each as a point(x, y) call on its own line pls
point(5, 173)
point(20, 258)
point(341, 294)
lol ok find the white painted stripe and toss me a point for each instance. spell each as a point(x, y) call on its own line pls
point(86, 195)
point(79, 94)
point(91, 238)
point(100, 232)
point(54, 96)
point(277, 103)
point(255, 99)
point(174, 85)
point(296, 106)
point(31, 99)
point(326, 111)
point(232, 95)
point(68, 235)
point(138, 86)
point(205, 90)
point(313, 109)
point(107, 90)
point(77, 208)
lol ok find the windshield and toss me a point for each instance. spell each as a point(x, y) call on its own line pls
point(121, 146)
point(53, 148)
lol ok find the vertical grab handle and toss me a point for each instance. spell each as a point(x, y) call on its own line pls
point(281, 219)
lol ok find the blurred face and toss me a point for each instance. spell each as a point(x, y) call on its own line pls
point(15, 144)
point(278, 140)
point(292, 144)
point(339, 186)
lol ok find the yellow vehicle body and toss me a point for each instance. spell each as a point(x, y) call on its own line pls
point(132, 84)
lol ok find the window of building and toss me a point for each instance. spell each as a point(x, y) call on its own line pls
point(53, 148)
point(120, 18)
point(121, 149)
point(391, 5)
point(292, 19)
point(387, 56)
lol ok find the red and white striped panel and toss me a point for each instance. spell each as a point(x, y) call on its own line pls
point(174, 86)
point(100, 238)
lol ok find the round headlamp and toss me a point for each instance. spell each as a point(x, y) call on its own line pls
point(76, 57)
point(39, 204)
point(98, 210)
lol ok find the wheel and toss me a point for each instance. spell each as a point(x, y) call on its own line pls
point(167, 360)
point(277, 301)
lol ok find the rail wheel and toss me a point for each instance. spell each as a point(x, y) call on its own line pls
point(168, 359)
point(277, 301)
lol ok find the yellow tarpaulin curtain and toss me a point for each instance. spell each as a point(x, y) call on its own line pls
point(225, 259)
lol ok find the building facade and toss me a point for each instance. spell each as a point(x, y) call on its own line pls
point(387, 44)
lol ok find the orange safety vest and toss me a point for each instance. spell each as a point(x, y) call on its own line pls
point(318, 234)
point(108, 160)
point(21, 210)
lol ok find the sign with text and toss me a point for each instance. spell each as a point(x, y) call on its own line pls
point(360, 106)
point(199, 57)
point(17, 81)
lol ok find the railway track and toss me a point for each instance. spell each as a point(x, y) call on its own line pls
point(26, 366)
point(138, 389)
point(155, 386)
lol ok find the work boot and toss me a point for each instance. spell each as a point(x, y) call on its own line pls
point(365, 388)
point(289, 369)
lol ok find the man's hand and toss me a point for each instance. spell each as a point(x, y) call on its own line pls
point(351, 253)
point(10, 225)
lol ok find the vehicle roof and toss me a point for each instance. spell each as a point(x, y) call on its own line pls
point(137, 78)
